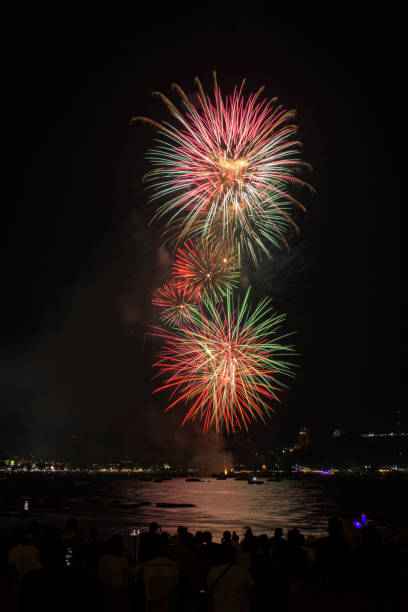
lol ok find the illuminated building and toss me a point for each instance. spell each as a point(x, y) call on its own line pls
point(303, 440)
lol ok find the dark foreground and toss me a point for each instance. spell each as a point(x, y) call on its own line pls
point(353, 567)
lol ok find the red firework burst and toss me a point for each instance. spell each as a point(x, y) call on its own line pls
point(223, 363)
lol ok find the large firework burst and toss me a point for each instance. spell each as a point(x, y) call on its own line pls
point(223, 363)
point(225, 168)
point(177, 302)
point(203, 267)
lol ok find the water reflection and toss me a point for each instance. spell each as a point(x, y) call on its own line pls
point(114, 504)
point(233, 505)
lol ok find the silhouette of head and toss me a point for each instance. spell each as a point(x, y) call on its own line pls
point(295, 538)
point(115, 545)
point(335, 527)
point(226, 537)
point(181, 530)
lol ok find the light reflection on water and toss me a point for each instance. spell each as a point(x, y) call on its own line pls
point(112, 504)
point(230, 504)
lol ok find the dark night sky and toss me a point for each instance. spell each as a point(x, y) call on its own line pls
point(79, 262)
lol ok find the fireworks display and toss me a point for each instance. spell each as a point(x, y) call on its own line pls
point(224, 170)
point(222, 179)
point(234, 358)
point(175, 301)
point(203, 267)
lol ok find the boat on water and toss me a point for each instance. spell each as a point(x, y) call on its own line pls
point(221, 477)
point(158, 480)
point(193, 479)
point(253, 480)
point(274, 479)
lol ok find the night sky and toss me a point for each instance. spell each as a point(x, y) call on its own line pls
point(79, 261)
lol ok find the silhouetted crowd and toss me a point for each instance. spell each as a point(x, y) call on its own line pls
point(352, 568)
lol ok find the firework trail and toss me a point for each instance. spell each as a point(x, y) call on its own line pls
point(234, 357)
point(224, 170)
